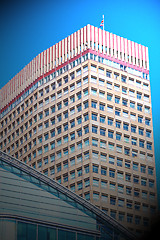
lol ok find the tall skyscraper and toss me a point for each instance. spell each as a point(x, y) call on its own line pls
point(80, 112)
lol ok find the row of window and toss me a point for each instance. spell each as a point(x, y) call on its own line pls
point(144, 182)
point(103, 157)
point(117, 76)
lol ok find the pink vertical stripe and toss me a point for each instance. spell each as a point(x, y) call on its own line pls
point(106, 39)
point(127, 47)
point(142, 52)
point(138, 51)
point(145, 51)
point(94, 34)
point(90, 32)
point(87, 33)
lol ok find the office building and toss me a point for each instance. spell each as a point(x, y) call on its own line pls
point(80, 112)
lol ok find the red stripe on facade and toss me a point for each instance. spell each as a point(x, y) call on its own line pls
point(53, 70)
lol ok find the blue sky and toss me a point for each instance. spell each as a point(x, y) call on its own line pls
point(29, 27)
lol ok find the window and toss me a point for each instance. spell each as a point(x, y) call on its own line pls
point(102, 94)
point(123, 79)
point(103, 171)
point(86, 117)
point(94, 116)
point(139, 107)
point(109, 97)
point(139, 95)
point(124, 102)
point(110, 121)
point(117, 112)
point(118, 124)
point(86, 155)
point(126, 151)
point(118, 136)
point(86, 129)
point(102, 119)
point(108, 74)
point(79, 132)
point(116, 87)
point(124, 90)
point(111, 173)
point(134, 141)
point(95, 142)
point(85, 104)
point(140, 119)
point(102, 132)
point(79, 120)
point(141, 130)
point(125, 126)
point(102, 144)
point(85, 92)
point(117, 100)
point(135, 166)
point(59, 130)
point(147, 109)
point(147, 122)
point(101, 107)
point(149, 146)
point(94, 104)
point(133, 129)
point(110, 134)
point(94, 129)
point(119, 162)
point(86, 168)
point(101, 82)
point(111, 159)
point(109, 85)
point(95, 169)
point(143, 168)
point(141, 143)
point(93, 91)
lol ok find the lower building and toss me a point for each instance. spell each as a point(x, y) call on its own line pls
point(35, 207)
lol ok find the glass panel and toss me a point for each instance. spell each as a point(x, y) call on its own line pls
point(65, 235)
point(81, 236)
point(26, 231)
point(45, 233)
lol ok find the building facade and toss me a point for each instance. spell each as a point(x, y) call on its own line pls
point(80, 112)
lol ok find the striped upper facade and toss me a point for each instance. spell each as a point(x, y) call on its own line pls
point(91, 39)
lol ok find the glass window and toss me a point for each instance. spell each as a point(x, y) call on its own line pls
point(94, 104)
point(95, 169)
point(94, 116)
point(125, 126)
point(102, 132)
point(110, 134)
point(95, 142)
point(94, 129)
point(62, 234)
point(26, 231)
point(101, 107)
point(117, 100)
point(102, 119)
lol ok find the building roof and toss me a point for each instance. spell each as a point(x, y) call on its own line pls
point(49, 185)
